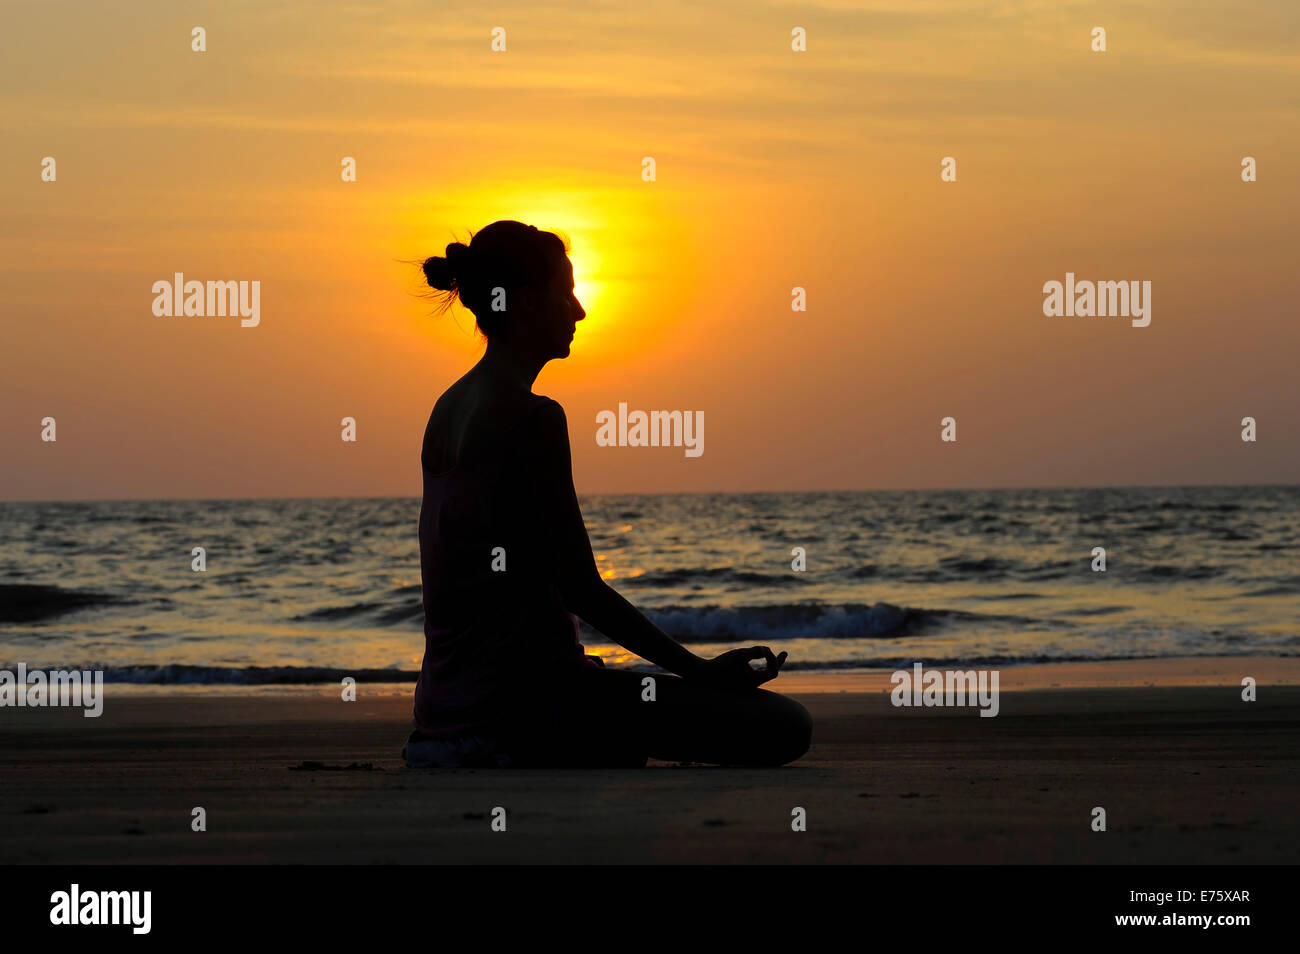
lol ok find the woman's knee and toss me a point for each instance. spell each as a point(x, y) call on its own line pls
point(789, 727)
point(750, 727)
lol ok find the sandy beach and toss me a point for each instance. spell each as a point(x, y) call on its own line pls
point(1187, 773)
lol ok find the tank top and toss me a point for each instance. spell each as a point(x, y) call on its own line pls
point(497, 633)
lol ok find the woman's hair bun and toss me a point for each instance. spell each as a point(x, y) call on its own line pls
point(444, 274)
point(505, 255)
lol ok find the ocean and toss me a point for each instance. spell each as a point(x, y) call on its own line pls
point(311, 590)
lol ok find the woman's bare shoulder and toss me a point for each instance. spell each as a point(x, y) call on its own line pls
point(548, 420)
point(543, 404)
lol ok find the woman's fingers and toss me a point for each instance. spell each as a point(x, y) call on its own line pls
point(750, 656)
point(774, 664)
point(767, 672)
point(735, 669)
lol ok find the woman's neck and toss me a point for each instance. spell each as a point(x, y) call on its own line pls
point(502, 361)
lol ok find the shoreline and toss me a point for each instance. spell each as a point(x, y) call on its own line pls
point(1075, 674)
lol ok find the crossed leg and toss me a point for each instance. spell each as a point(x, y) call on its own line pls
point(603, 720)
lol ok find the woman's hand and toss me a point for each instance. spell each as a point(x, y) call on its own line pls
point(732, 670)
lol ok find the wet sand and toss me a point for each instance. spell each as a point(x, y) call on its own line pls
point(1186, 771)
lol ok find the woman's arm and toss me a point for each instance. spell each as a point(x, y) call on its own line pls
point(574, 565)
point(587, 595)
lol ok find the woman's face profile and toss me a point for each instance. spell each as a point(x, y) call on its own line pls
point(558, 316)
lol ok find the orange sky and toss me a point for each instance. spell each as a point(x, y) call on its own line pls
point(775, 169)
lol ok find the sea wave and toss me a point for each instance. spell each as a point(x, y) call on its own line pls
point(808, 620)
point(33, 602)
point(685, 576)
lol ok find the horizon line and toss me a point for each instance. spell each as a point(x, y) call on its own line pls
point(685, 493)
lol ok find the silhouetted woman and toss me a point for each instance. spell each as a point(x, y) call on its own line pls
point(507, 566)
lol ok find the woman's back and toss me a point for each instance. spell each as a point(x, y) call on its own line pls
point(495, 624)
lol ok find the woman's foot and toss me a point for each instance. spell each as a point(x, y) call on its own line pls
point(420, 751)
